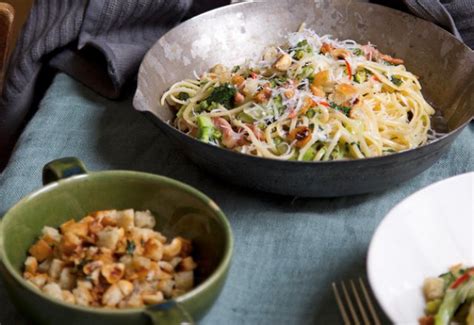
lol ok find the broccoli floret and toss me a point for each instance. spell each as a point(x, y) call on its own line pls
point(206, 128)
point(183, 96)
point(222, 95)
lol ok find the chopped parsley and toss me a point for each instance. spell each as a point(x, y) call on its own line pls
point(130, 247)
point(396, 81)
point(358, 52)
point(222, 95)
point(183, 96)
point(344, 109)
point(235, 68)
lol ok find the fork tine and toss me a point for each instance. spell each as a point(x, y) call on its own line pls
point(359, 304)
point(369, 303)
point(340, 305)
point(349, 303)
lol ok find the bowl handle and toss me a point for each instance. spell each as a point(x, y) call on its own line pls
point(62, 168)
point(170, 312)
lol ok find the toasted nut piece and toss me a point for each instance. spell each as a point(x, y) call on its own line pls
point(321, 79)
point(188, 264)
point(51, 235)
point(283, 62)
point(31, 264)
point(289, 93)
point(172, 249)
point(175, 261)
point(67, 279)
point(84, 284)
point(238, 80)
point(68, 297)
point(44, 266)
point(112, 296)
point(184, 280)
point(40, 250)
point(55, 268)
point(263, 95)
point(166, 286)
point(307, 104)
point(82, 295)
point(135, 300)
point(105, 255)
point(92, 266)
point(150, 299)
point(153, 249)
point(144, 219)
point(125, 286)
point(343, 93)
point(316, 91)
point(113, 272)
point(125, 219)
point(433, 288)
point(165, 266)
point(301, 134)
point(53, 290)
point(325, 48)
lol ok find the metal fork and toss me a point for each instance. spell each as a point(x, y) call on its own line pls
point(348, 301)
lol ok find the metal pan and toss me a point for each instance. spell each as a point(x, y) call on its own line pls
point(230, 34)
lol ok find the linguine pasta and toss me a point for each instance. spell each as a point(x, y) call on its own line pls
point(314, 98)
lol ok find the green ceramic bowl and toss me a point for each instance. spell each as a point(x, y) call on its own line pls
point(72, 193)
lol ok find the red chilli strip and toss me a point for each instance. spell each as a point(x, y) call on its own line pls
point(463, 278)
point(348, 67)
point(325, 104)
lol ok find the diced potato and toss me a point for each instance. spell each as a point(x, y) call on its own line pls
point(166, 286)
point(188, 264)
point(113, 272)
point(40, 250)
point(125, 219)
point(55, 268)
point(44, 266)
point(144, 219)
point(151, 299)
point(31, 264)
point(51, 235)
point(53, 290)
point(70, 242)
point(135, 300)
point(153, 249)
point(68, 297)
point(184, 280)
point(126, 287)
point(77, 228)
point(109, 237)
point(433, 288)
point(82, 295)
point(67, 279)
point(112, 296)
point(38, 280)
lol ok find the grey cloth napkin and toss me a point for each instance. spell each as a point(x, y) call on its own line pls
point(100, 43)
point(456, 16)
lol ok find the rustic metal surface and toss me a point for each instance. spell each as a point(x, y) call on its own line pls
point(231, 34)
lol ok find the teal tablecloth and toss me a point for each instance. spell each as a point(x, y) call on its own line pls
point(288, 250)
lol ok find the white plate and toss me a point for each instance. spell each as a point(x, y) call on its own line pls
point(422, 236)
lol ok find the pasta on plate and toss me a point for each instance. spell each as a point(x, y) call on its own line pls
point(314, 98)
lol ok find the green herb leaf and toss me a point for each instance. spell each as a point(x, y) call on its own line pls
point(344, 109)
point(358, 52)
point(235, 68)
point(130, 247)
point(396, 81)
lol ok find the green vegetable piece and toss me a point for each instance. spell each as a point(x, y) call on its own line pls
point(203, 106)
point(448, 279)
point(183, 96)
point(358, 52)
point(278, 101)
point(223, 95)
point(360, 76)
point(235, 68)
point(309, 154)
point(453, 298)
point(299, 55)
point(244, 117)
point(302, 43)
point(130, 247)
point(396, 81)
point(205, 128)
point(432, 306)
point(216, 134)
point(306, 72)
point(310, 113)
point(344, 109)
